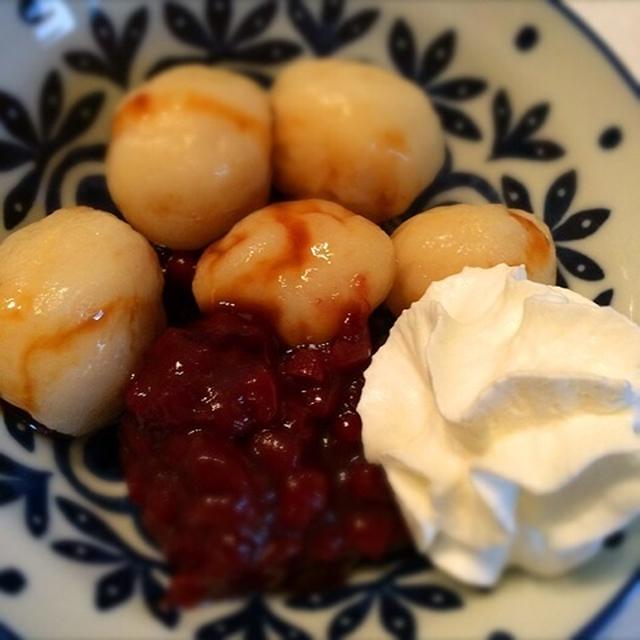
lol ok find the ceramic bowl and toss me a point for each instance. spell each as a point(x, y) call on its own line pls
point(537, 114)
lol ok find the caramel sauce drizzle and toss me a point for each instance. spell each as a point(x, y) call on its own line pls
point(61, 340)
point(538, 245)
point(145, 105)
point(296, 253)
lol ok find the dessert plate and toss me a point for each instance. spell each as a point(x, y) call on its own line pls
point(538, 114)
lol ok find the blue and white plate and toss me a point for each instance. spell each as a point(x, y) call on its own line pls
point(537, 113)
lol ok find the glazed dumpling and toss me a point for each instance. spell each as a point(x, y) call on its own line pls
point(306, 264)
point(442, 241)
point(190, 154)
point(355, 134)
point(80, 300)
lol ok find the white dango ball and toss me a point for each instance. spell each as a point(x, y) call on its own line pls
point(190, 154)
point(442, 241)
point(355, 134)
point(80, 300)
point(306, 264)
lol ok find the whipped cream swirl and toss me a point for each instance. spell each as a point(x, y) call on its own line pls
point(506, 416)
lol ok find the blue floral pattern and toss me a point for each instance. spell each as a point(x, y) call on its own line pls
point(216, 40)
point(18, 425)
point(63, 447)
point(40, 146)
point(330, 31)
point(446, 93)
point(91, 190)
point(391, 596)
point(565, 227)
point(255, 620)
point(517, 140)
point(126, 566)
point(36, 145)
point(117, 53)
point(12, 583)
point(19, 482)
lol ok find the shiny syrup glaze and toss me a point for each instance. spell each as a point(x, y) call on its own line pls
point(27, 392)
point(273, 277)
point(245, 455)
point(296, 252)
